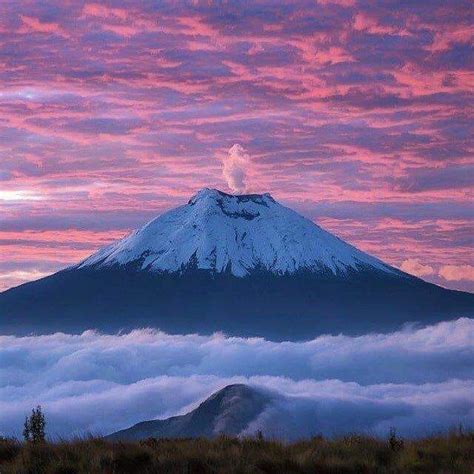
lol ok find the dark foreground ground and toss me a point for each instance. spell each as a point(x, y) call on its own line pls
point(452, 453)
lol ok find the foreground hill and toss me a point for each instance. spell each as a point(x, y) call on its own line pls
point(241, 264)
point(227, 412)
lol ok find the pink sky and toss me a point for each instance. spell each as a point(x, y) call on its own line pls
point(356, 114)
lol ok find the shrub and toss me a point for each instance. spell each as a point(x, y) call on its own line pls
point(395, 443)
point(33, 428)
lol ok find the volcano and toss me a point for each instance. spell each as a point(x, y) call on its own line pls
point(242, 264)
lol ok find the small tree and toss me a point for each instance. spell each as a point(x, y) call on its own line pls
point(33, 428)
point(26, 429)
point(395, 443)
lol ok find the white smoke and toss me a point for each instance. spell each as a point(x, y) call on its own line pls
point(235, 166)
point(417, 380)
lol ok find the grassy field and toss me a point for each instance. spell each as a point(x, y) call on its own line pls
point(453, 453)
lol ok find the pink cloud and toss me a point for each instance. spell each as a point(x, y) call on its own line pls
point(415, 267)
point(33, 25)
point(457, 272)
point(344, 3)
point(370, 23)
point(103, 11)
point(446, 37)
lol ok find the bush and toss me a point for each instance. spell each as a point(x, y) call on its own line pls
point(9, 449)
point(395, 443)
point(33, 429)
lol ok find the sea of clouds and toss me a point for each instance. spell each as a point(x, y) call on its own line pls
point(419, 380)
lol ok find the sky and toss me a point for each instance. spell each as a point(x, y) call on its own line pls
point(358, 114)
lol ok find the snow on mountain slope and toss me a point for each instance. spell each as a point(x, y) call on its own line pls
point(235, 233)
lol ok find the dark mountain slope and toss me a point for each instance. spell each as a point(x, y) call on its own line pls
point(228, 411)
point(276, 307)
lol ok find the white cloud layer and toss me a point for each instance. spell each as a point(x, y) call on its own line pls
point(418, 380)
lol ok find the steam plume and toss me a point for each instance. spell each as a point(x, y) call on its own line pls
point(235, 168)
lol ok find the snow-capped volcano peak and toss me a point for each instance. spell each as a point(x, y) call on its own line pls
point(215, 194)
point(239, 234)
